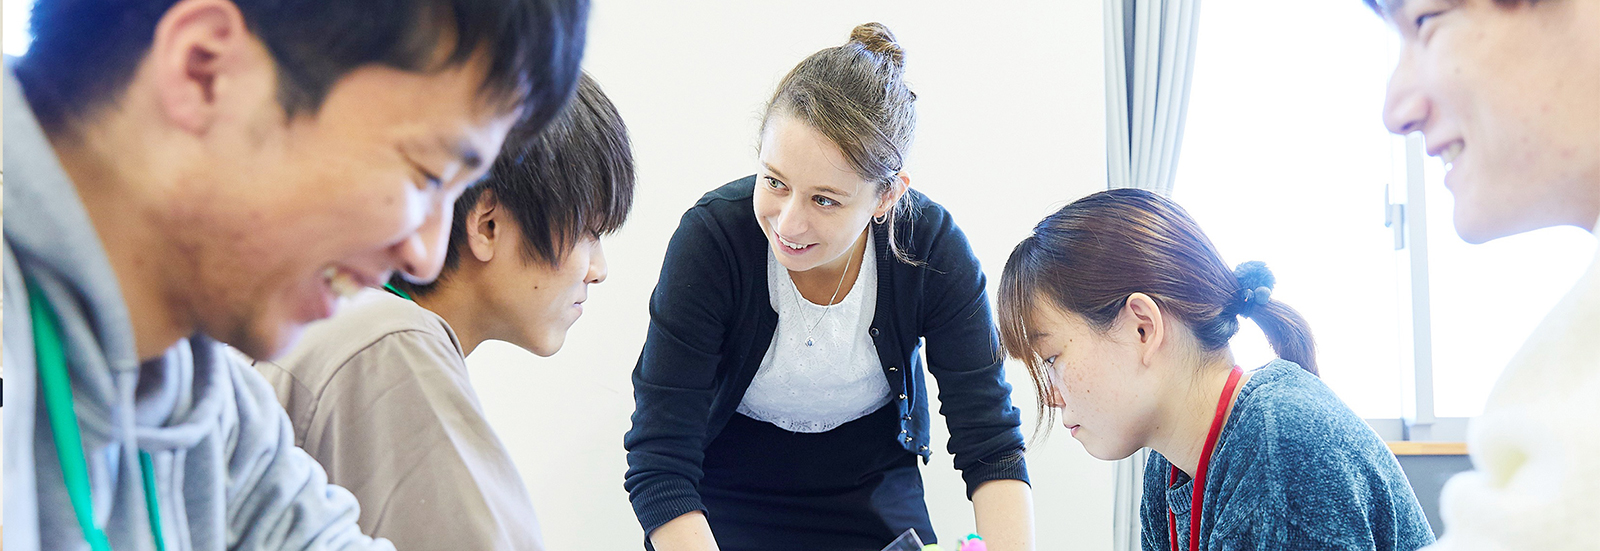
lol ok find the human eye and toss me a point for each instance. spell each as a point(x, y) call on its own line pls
point(1424, 19)
point(824, 201)
point(430, 180)
point(1426, 13)
point(775, 185)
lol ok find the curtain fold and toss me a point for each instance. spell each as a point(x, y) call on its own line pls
point(1150, 48)
point(1149, 64)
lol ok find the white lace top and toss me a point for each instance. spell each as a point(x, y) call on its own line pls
point(836, 379)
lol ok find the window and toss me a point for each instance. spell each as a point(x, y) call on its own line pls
point(1286, 160)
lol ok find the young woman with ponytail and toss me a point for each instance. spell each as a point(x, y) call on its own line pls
point(780, 396)
point(1122, 309)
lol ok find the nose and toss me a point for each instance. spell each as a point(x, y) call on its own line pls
point(420, 256)
point(1405, 107)
point(597, 264)
point(1053, 399)
point(791, 220)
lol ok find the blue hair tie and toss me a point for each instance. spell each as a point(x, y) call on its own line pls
point(1255, 287)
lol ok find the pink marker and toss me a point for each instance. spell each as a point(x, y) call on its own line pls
point(974, 543)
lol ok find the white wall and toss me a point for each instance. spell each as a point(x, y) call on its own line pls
point(1011, 107)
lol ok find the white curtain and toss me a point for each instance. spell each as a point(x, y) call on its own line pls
point(1149, 62)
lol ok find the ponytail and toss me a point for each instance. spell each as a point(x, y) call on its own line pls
point(1286, 330)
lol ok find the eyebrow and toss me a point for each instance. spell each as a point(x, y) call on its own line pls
point(824, 189)
point(462, 149)
point(774, 171)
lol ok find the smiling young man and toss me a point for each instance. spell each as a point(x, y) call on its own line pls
point(380, 393)
point(183, 173)
point(1507, 94)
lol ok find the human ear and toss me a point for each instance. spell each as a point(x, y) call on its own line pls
point(897, 188)
point(204, 61)
point(482, 226)
point(1145, 317)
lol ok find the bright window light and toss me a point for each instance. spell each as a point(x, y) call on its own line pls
point(17, 36)
point(1285, 160)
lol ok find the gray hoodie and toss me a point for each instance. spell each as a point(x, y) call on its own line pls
point(227, 473)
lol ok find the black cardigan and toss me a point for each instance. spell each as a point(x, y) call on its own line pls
point(711, 322)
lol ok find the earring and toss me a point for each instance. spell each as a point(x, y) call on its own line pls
point(880, 219)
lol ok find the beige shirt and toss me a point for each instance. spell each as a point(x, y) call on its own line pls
point(1536, 448)
point(379, 395)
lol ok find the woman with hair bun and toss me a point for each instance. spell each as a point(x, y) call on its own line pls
point(1122, 310)
point(780, 396)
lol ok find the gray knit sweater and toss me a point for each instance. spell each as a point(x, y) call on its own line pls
point(1294, 468)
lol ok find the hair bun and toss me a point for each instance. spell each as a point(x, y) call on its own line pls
point(1254, 274)
point(877, 39)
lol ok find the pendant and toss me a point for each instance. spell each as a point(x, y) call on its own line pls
point(810, 341)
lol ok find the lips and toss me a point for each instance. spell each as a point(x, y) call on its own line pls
point(341, 282)
point(1448, 156)
point(1450, 153)
point(791, 247)
point(318, 304)
point(1446, 149)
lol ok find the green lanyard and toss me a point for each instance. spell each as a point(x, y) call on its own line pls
point(397, 292)
point(57, 390)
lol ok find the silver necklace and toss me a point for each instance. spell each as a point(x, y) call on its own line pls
point(800, 309)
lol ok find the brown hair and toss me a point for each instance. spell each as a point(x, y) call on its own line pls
point(855, 96)
point(1088, 257)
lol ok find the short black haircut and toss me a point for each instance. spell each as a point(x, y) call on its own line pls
point(84, 52)
point(571, 179)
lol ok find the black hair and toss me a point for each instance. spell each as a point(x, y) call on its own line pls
point(572, 178)
point(84, 52)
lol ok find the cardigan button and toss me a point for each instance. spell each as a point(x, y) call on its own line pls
point(906, 418)
point(873, 331)
point(902, 396)
point(893, 368)
point(923, 449)
point(908, 439)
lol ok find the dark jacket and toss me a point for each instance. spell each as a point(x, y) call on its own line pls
point(711, 323)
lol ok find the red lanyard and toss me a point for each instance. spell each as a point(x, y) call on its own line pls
point(1200, 473)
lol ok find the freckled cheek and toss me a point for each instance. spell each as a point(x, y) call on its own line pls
point(1088, 393)
point(1075, 387)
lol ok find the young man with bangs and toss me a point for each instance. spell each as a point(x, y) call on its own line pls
point(1507, 94)
point(184, 172)
point(380, 394)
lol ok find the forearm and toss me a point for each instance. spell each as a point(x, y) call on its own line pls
point(689, 532)
point(1004, 512)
